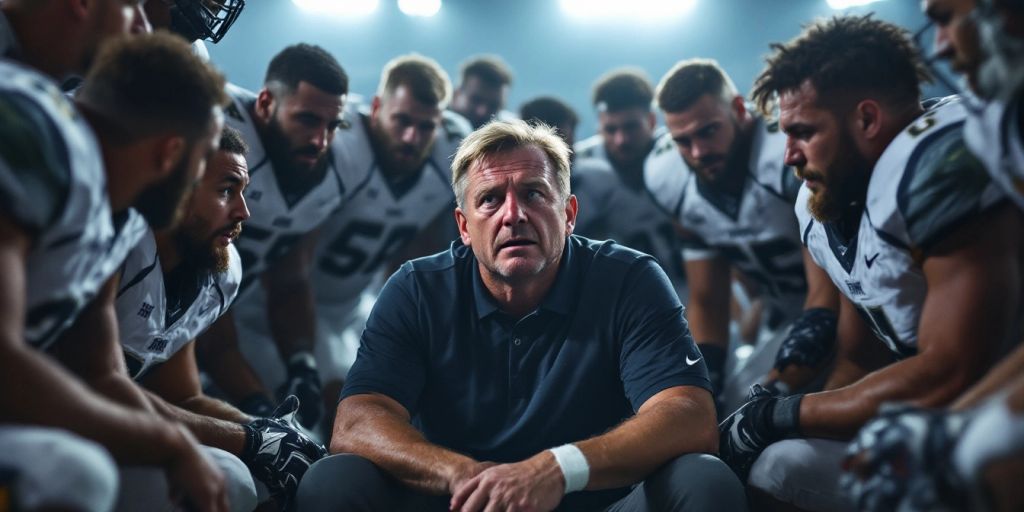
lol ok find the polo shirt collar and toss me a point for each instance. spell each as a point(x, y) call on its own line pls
point(559, 298)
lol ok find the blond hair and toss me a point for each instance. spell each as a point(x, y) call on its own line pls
point(503, 136)
point(425, 78)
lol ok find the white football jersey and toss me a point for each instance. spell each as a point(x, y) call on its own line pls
point(53, 183)
point(612, 208)
point(380, 217)
point(994, 136)
point(925, 182)
point(150, 333)
point(756, 231)
point(276, 223)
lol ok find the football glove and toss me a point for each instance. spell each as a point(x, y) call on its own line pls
point(810, 341)
point(900, 460)
point(304, 382)
point(763, 420)
point(278, 454)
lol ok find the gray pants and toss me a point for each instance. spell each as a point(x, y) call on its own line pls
point(804, 473)
point(146, 487)
point(691, 482)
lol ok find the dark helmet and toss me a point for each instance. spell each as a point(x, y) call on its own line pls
point(204, 19)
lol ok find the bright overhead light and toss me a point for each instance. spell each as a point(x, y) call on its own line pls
point(338, 7)
point(634, 9)
point(846, 4)
point(422, 8)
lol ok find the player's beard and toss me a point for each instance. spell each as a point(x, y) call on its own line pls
point(387, 149)
point(843, 186)
point(281, 155)
point(199, 245)
point(161, 204)
point(735, 162)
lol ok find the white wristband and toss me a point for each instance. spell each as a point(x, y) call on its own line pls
point(574, 467)
point(995, 432)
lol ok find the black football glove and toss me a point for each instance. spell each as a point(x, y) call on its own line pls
point(758, 423)
point(278, 453)
point(304, 382)
point(901, 460)
point(811, 339)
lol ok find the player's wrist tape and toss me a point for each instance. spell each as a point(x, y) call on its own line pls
point(786, 415)
point(574, 466)
point(996, 431)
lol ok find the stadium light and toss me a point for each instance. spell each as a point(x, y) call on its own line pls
point(338, 7)
point(421, 8)
point(846, 4)
point(632, 9)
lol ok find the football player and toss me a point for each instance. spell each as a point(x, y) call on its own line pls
point(910, 228)
point(397, 154)
point(176, 283)
point(483, 87)
point(294, 185)
point(962, 456)
point(736, 198)
point(72, 175)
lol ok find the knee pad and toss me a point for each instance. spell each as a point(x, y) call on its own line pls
point(238, 480)
point(63, 470)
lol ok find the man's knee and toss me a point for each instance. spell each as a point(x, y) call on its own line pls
point(346, 482)
point(695, 482)
point(802, 472)
point(238, 480)
point(65, 471)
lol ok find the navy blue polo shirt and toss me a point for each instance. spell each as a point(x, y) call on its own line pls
point(609, 335)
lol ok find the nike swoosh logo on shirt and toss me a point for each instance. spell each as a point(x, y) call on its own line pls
point(691, 362)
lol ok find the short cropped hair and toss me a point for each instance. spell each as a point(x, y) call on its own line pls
point(231, 142)
point(502, 136)
point(489, 69)
point(689, 80)
point(425, 78)
point(622, 89)
point(151, 84)
point(306, 63)
point(548, 110)
point(844, 56)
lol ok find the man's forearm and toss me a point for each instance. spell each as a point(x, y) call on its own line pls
point(630, 452)
point(840, 413)
point(1008, 370)
point(210, 431)
point(292, 317)
point(220, 356)
point(208, 406)
point(39, 392)
point(391, 443)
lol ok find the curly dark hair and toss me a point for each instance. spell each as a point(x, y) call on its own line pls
point(843, 55)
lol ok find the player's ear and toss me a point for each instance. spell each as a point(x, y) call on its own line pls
point(170, 152)
point(375, 107)
point(652, 120)
point(739, 108)
point(868, 119)
point(264, 107)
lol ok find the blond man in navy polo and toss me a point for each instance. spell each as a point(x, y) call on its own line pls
point(525, 368)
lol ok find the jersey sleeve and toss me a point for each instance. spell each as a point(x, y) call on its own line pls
point(943, 184)
point(658, 351)
point(35, 167)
